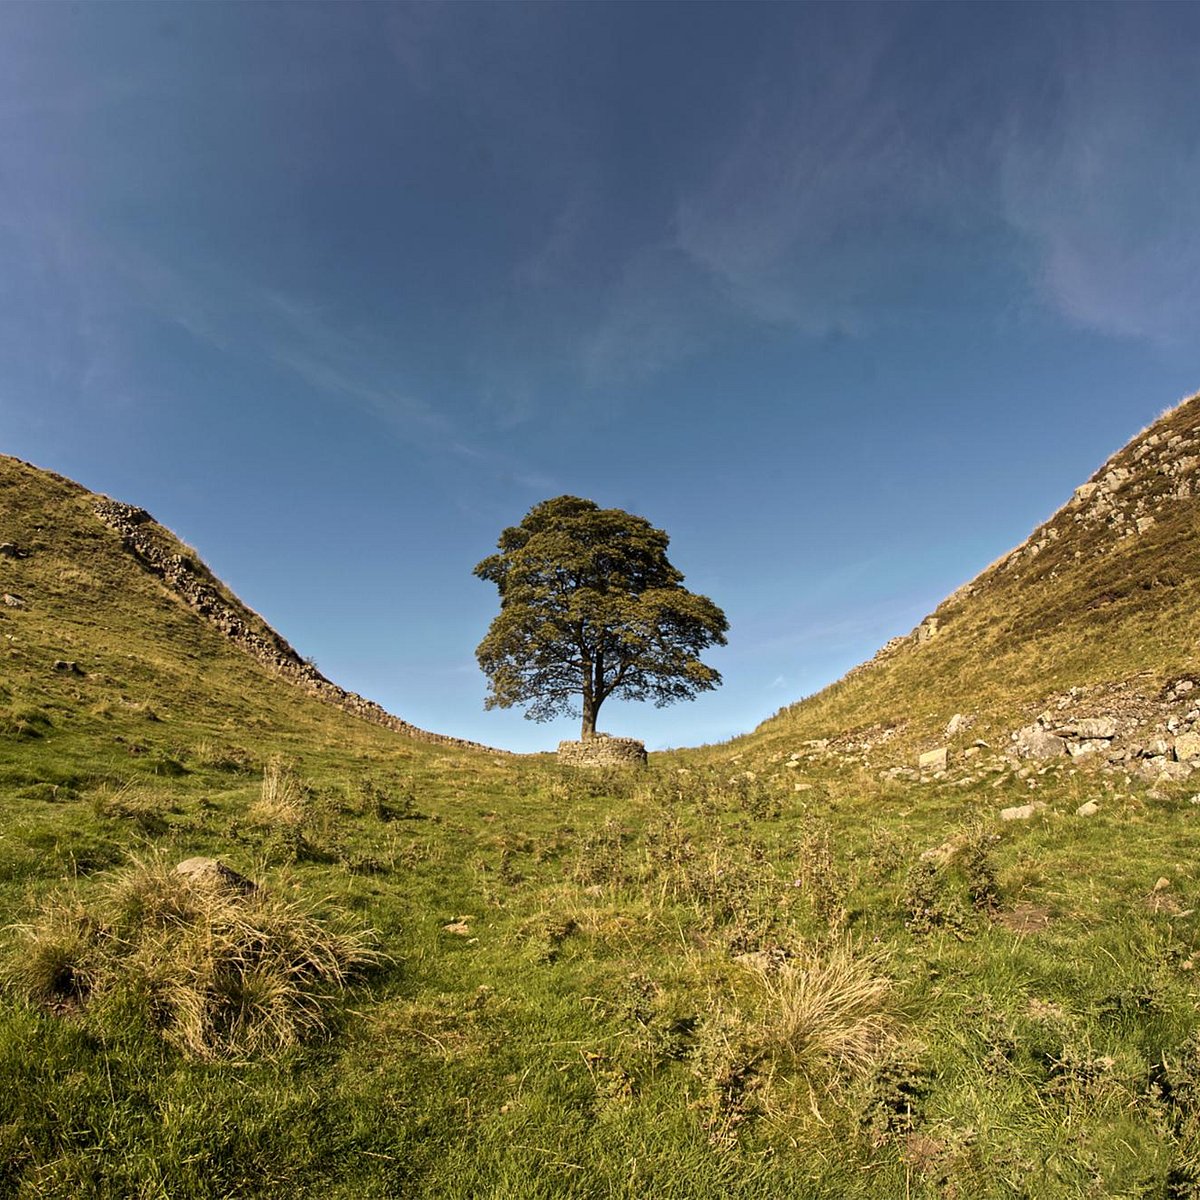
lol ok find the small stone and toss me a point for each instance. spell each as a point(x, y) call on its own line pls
point(933, 760)
point(957, 724)
point(1075, 749)
point(11, 601)
point(1021, 812)
point(211, 872)
point(1161, 884)
point(1089, 809)
point(1090, 728)
point(802, 787)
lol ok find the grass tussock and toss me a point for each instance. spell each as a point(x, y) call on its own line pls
point(221, 970)
point(284, 801)
point(838, 1008)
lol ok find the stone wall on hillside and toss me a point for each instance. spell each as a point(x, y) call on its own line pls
point(192, 582)
point(603, 750)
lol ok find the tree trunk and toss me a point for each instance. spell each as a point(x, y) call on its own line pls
point(590, 709)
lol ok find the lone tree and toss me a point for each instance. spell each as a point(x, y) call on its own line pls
point(590, 607)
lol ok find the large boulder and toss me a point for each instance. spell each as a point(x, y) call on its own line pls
point(1187, 747)
point(1035, 742)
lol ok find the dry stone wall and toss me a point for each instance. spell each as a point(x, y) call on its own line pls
point(199, 589)
point(603, 751)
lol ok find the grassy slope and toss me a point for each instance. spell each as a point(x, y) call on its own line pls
point(592, 1032)
point(1089, 608)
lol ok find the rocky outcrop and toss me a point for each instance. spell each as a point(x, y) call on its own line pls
point(212, 873)
point(603, 751)
point(199, 589)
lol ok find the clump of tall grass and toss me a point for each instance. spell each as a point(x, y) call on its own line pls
point(284, 800)
point(824, 1019)
point(835, 1009)
point(221, 970)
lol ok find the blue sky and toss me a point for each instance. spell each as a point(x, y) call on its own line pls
point(846, 298)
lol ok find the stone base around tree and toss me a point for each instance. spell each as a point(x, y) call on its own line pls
point(603, 750)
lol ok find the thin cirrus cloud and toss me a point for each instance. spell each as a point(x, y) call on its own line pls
point(1102, 182)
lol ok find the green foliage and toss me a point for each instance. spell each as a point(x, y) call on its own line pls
point(590, 607)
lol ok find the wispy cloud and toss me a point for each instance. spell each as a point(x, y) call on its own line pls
point(784, 221)
point(1103, 177)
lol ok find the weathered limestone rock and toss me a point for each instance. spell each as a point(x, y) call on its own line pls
point(1035, 742)
point(933, 760)
point(209, 872)
point(200, 591)
point(1089, 728)
point(1088, 809)
point(1161, 769)
point(957, 724)
point(11, 601)
point(1021, 812)
point(603, 751)
point(1093, 746)
point(927, 630)
point(1187, 747)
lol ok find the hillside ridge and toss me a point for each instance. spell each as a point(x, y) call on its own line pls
point(1093, 617)
point(160, 553)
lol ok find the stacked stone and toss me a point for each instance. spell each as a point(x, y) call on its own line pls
point(603, 751)
point(193, 585)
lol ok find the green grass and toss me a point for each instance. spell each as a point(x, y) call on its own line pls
point(693, 981)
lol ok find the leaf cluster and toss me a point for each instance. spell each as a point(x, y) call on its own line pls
point(590, 605)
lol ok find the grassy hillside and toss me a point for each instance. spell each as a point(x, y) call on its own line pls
point(763, 969)
point(1102, 592)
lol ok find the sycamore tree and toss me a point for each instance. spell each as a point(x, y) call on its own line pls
point(591, 608)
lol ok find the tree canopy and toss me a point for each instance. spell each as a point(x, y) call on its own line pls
point(590, 608)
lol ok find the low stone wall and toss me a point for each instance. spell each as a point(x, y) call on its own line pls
point(603, 751)
point(200, 590)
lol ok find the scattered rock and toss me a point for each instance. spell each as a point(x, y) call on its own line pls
point(1088, 809)
point(210, 872)
point(1161, 884)
point(460, 927)
point(1075, 749)
point(1187, 747)
point(945, 853)
point(927, 630)
point(1088, 728)
point(11, 601)
point(1022, 812)
point(1034, 742)
point(957, 724)
point(802, 787)
point(1163, 770)
point(933, 760)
